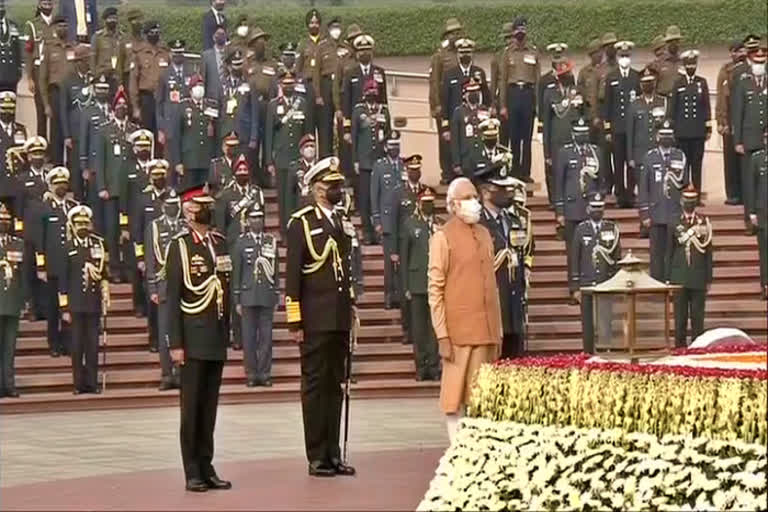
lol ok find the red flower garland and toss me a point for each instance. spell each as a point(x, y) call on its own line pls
point(581, 362)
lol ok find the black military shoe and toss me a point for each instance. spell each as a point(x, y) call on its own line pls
point(342, 469)
point(196, 485)
point(267, 383)
point(12, 394)
point(251, 383)
point(764, 294)
point(320, 469)
point(55, 353)
point(166, 384)
point(216, 483)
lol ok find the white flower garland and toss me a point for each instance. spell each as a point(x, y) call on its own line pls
point(511, 466)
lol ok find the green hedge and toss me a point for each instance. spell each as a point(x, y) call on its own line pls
point(415, 29)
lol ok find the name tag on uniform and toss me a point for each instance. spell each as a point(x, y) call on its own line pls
point(676, 164)
point(587, 239)
point(249, 249)
point(658, 176)
point(615, 83)
point(454, 81)
point(14, 256)
point(53, 219)
point(223, 263)
point(354, 80)
point(316, 232)
point(529, 59)
point(29, 184)
point(573, 162)
point(280, 110)
point(18, 138)
point(607, 235)
point(268, 70)
point(298, 116)
point(301, 89)
point(72, 253)
point(116, 149)
point(149, 209)
point(163, 63)
point(132, 176)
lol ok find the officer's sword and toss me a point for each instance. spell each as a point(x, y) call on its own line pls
point(104, 352)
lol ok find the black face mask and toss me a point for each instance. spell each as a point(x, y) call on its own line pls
point(111, 25)
point(501, 199)
point(566, 80)
point(159, 183)
point(60, 190)
point(61, 33)
point(689, 206)
point(37, 161)
point(393, 152)
point(414, 176)
point(596, 214)
point(289, 61)
point(241, 179)
point(143, 155)
point(489, 141)
point(178, 59)
point(7, 117)
point(610, 52)
point(204, 216)
point(691, 70)
point(171, 210)
point(256, 225)
point(82, 232)
point(465, 60)
point(365, 58)
point(288, 91)
point(153, 38)
point(581, 138)
point(333, 195)
point(647, 87)
point(136, 28)
point(520, 36)
point(427, 208)
point(666, 142)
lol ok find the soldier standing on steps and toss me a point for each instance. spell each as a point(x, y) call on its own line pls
point(299, 168)
point(577, 178)
point(57, 64)
point(594, 259)
point(286, 125)
point(689, 264)
point(318, 304)
point(94, 115)
point(191, 152)
point(148, 207)
point(443, 60)
point(12, 134)
point(371, 126)
point(260, 70)
point(255, 285)
point(12, 257)
point(55, 237)
point(663, 177)
point(758, 214)
point(414, 250)
point(690, 111)
point(466, 139)
point(76, 94)
point(329, 54)
point(108, 50)
point(84, 296)
point(386, 192)
point(198, 271)
point(157, 236)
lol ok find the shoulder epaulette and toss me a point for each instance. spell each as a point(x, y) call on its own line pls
point(100, 32)
point(300, 213)
point(182, 232)
point(569, 145)
point(148, 188)
point(97, 237)
point(216, 234)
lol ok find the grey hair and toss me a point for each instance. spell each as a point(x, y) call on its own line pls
point(450, 195)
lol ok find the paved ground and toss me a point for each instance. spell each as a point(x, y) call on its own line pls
point(44, 447)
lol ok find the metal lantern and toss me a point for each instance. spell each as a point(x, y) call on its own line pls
point(632, 310)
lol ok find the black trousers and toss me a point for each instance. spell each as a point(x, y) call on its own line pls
point(75, 173)
point(236, 326)
point(287, 198)
point(424, 342)
point(512, 345)
point(587, 324)
point(42, 120)
point(200, 383)
point(257, 342)
point(56, 141)
point(138, 294)
point(694, 154)
point(405, 320)
point(623, 176)
point(747, 183)
point(96, 204)
point(85, 351)
point(762, 248)
point(570, 229)
point(112, 235)
point(391, 274)
point(8, 86)
point(58, 332)
point(364, 203)
point(689, 302)
point(9, 329)
point(152, 321)
point(521, 105)
point(148, 108)
point(444, 153)
point(606, 167)
point(163, 350)
point(657, 235)
point(324, 118)
point(36, 289)
point(731, 170)
point(323, 357)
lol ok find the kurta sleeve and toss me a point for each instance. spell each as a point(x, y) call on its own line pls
point(436, 275)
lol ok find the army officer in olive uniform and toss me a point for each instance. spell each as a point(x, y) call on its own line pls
point(11, 301)
point(255, 285)
point(689, 264)
point(414, 251)
point(758, 214)
point(318, 304)
point(198, 271)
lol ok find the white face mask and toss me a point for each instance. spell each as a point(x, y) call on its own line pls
point(198, 92)
point(469, 211)
point(242, 30)
point(758, 69)
point(335, 33)
point(624, 62)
